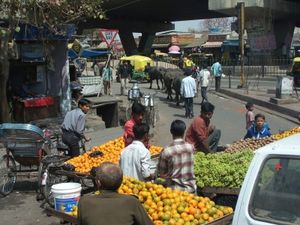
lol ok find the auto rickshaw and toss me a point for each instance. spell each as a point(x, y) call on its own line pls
point(138, 62)
point(294, 71)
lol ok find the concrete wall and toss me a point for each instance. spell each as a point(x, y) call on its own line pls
point(228, 4)
point(277, 5)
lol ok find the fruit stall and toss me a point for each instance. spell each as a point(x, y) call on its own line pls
point(221, 173)
point(162, 203)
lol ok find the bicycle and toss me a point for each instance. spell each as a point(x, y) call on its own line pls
point(52, 171)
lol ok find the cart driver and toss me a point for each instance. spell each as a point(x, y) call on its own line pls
point(73, 127)
point(110, 207)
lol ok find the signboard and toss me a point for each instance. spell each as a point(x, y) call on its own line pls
point(287, 86)
point(108, 35)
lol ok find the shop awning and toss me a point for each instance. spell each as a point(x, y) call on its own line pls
point(234, 43)
point(212, 44)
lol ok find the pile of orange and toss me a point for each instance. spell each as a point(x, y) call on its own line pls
point(174, 207)
point(286, 133)
point(111, 153)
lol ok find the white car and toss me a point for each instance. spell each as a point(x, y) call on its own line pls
point(270, 193)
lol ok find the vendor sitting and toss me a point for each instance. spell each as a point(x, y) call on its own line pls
point(24, 91)
point(259, 128)
point(176, 162)
point(110, 207)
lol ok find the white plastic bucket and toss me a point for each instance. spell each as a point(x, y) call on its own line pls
point(66, 197)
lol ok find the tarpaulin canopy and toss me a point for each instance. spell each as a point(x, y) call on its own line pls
point(86, 53)
point(138, 61)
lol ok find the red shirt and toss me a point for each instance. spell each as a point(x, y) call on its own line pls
point(128, 132)
point(197, 133)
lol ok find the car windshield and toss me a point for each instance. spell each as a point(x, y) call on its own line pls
point(276, 196)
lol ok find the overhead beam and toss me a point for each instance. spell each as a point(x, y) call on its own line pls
point(133, 26)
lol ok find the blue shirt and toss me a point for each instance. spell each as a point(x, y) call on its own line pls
point(216, 68)
point(252, 132)
point(107, 74)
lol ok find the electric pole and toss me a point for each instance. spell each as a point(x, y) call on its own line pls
point(241, 22)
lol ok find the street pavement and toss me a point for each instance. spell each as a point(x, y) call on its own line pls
point(21, 208)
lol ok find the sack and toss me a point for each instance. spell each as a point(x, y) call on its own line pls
point(223, 75)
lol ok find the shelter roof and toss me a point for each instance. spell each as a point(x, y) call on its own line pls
point(212, 44)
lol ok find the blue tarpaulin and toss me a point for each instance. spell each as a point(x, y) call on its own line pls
point(86, 53)
point(72, 54)
point(29, 32)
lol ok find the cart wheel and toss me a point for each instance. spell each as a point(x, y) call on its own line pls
point(48, 178)
point(8, 174)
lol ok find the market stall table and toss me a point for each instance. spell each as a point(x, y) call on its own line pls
point(26, 110)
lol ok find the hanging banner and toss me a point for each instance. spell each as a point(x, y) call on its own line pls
point(108, 35)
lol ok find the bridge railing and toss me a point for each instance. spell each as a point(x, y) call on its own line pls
point(262, 66)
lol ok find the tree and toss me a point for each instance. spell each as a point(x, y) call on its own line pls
point(40, 13)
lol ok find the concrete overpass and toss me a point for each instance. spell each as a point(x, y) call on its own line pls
point(151, 16)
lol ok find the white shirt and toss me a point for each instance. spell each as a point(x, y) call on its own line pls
point(135, 161)
point(188, 87)
point(205, 74)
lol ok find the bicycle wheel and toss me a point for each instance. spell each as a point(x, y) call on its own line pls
point(52, 179)
point(8, 174)
point(47, 177)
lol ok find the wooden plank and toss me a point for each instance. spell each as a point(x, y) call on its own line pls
point(226, 220)
point(223, 190)
point(61, 215)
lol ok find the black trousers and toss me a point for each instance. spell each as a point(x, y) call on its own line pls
point(217, 83)
point(70, 139)
point(188, 104)
point(204, 94)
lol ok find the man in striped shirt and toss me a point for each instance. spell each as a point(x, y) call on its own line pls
point(176, 162)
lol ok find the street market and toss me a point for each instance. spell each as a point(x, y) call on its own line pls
point(86, 139)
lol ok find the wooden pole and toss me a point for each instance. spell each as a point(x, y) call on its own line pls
point(241, 18)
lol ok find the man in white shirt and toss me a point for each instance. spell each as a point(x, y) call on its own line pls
point(188, 91)
point(135, 158)
point(204, 77)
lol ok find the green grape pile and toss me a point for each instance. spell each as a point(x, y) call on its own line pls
point(222, 169)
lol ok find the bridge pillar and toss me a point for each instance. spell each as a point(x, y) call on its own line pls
point(128, 42)
point(269, 37)
point(146, 42)
point(284, 31)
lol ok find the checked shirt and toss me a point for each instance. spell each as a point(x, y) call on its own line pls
point(176, 165)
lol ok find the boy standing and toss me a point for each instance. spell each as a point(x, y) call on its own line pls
point(107, 79)
point(249, 115)
point(204, 74)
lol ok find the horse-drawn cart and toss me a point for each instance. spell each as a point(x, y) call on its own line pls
point(24, 147)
